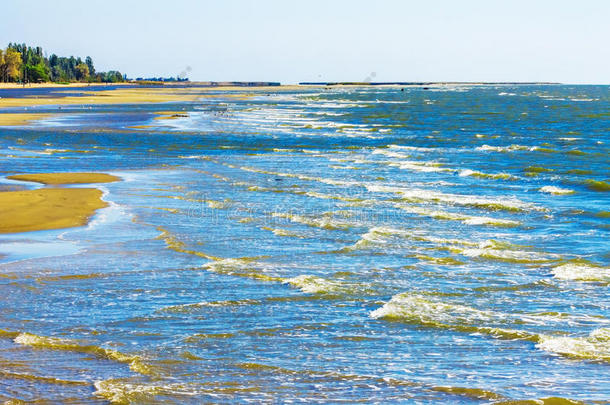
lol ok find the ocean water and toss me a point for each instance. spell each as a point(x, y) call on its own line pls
point(447, 245)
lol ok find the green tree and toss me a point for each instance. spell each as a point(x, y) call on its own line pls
point(89, 63)
point(10, 67)
point(20, 59)
point(37, 73)
point(82, 71)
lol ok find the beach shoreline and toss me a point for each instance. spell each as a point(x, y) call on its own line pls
point(57, 85)
point(194, 91)
point(245, 86)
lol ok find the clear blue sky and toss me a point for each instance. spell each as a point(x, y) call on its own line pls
point(330, 40)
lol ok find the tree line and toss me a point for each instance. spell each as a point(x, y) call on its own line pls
point(20, 63)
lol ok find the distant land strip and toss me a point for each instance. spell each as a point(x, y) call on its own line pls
point(418, 83)
point(238, 84)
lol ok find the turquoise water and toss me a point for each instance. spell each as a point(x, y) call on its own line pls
point(345, 245)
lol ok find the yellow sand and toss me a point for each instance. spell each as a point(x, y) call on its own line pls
point(124, 96)
point(144, 95)
point(103, 97)
point(51, 208)
point(47, 208)
point(65, 178)
point(137, 95)
point(20, 119)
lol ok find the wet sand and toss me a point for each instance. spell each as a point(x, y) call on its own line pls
point(51, 208)
point(120, 96)
point(143, 95)
point(65, 178)
point(14, 119)
point(132, 96)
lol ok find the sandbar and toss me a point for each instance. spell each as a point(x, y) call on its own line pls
point(51, 207)
point(47, 208)
point(65, 178)
point(124, 96)
point(10, 119)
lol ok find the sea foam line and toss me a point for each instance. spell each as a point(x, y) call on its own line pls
point(420, 310)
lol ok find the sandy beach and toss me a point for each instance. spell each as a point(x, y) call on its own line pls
point(151, 95)
point(14, 119)
point(51, 208)
point(127, 96)
point(143, 95)
point(65, 178)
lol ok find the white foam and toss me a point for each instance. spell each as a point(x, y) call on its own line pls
point(323, 222)
point(595, 346)
point(494, 250)
point(581, 272)
point(466, 219)
point(555, 190)
point(410, 164)
point(412, 148)
point(475, 173)
point(510, 148)
point(416, 307)
point(314, 285)
point(457, 199)
point(466, 172)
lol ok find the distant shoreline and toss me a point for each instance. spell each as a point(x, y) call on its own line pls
point(419, 84)
point(258, 85)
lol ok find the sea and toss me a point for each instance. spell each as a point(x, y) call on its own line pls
point(446, 245)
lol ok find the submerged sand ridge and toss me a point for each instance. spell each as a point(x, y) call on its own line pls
point(51, 208)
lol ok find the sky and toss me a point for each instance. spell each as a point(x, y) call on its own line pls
point(331, 40)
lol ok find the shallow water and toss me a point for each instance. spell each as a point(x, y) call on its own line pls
point(375, 245)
